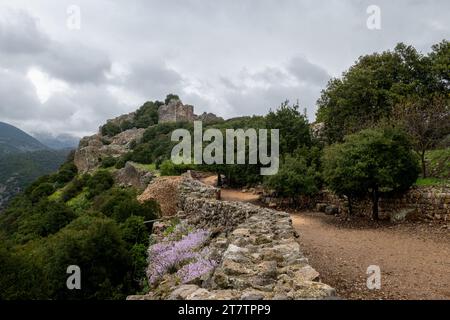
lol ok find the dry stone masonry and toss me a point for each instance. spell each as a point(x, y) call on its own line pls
point(258, 254)
point(431, 203)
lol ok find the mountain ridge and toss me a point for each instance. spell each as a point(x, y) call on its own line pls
point(15, 140)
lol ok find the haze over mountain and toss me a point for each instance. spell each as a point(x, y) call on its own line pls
point(58, 142)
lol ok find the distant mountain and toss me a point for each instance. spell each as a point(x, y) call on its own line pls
point(22, 160)
point(59, 142)
point(14, 140)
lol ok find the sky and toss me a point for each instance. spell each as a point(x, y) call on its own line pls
point(67, 66)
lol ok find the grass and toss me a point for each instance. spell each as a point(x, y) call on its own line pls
point(80, 202)
point(428, 182)
point(147, 167)
point(438, 163)
point(56, 195)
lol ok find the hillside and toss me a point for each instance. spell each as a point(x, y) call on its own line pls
point(22, 160)
point(14, 140)
point(18, 170)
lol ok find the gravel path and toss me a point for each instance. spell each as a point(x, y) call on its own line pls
point(414, 258)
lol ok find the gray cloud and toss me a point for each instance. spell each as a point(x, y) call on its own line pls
point(308, 72)
point(75, 63)
point(153, 79)
point(18, 99)
point(19, 33)
point(230, 57)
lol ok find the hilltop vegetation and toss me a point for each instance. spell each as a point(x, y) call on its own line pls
point(67, 219)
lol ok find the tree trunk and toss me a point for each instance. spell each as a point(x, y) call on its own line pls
point(219, 180)
point(350, 207)
point(375, 203)
point(424, 169)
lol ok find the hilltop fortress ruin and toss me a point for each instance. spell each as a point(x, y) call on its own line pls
point(93, 149)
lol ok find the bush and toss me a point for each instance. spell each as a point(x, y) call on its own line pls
point(147, 115)
point(66, 173)
point(110, 129)
point(120, 204)
point(294, 178)
point(101, 181)
point(168, 168)
point(45, 218)
point(43, 190)
point(108, 162)
point(171, 97)
point(86, 240)
point(72, 189)
point(370, 162)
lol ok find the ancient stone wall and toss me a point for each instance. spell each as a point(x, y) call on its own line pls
point(176, 111)
point(258, 254)
point(418, 203)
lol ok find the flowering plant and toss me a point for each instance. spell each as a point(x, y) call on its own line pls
point(183, 255)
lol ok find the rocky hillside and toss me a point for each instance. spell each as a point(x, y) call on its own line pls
point(120, 135)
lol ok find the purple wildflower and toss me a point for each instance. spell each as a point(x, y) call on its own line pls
point(196, 269)
point(166, 257)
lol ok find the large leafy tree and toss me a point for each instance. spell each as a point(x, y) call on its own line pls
point(426, 120)
point(369, 90)
point(293, 126)
point(369, 163)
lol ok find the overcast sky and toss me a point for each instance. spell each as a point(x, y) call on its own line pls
point(228, 57)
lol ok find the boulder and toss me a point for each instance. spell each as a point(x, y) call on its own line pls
point(133, 176)
point(331, 210)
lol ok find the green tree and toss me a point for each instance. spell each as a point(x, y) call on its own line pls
point(95, 245)
point(426, 120)
point(147, 114)
point(171, 97)
point(43, 190)
point(369, 90)
point(101, 181)
point(110, 129)
point(371, 162)
point(120, 204)
point(294, 178)
point(293, 126)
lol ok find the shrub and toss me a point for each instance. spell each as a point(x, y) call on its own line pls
point(168, 168)
point(43, 190)
point(108, 162)
point(370, 162)
point(110, 129)
point(101, 181)
point(169, 97)
point(120, 204)
point(72, 189)
point(147, 114)
point(294, 178)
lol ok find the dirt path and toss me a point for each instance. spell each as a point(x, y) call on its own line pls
point(414, 258)
point(231, 194)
